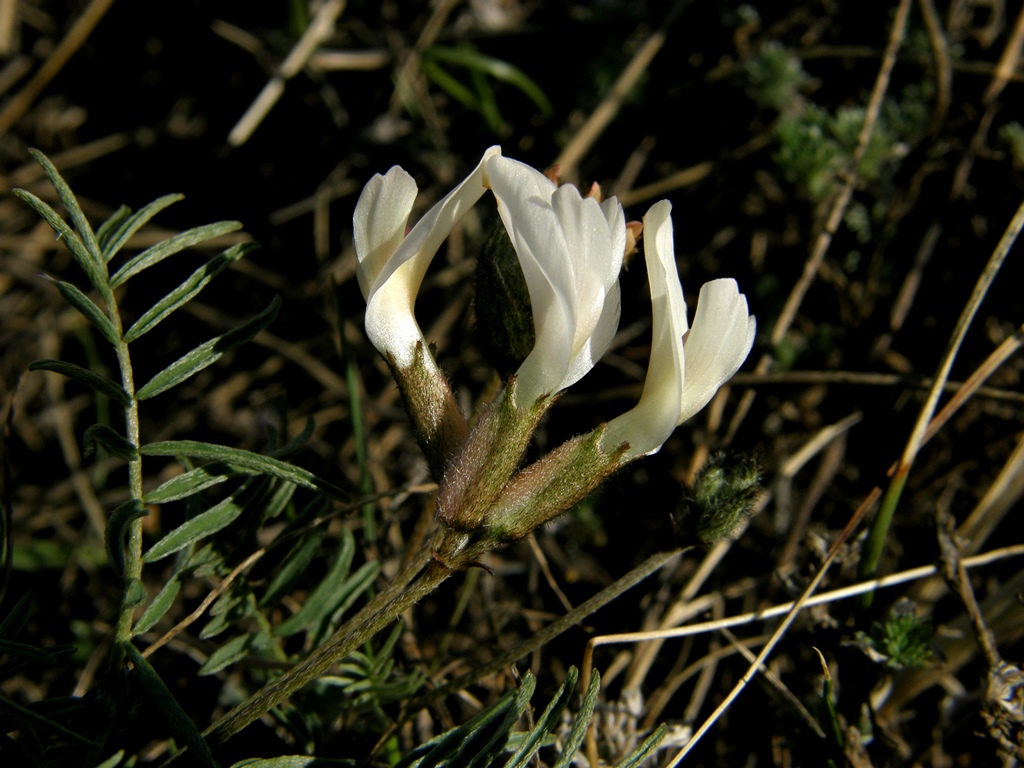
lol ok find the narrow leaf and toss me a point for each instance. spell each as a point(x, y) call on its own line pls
point(546, 723)
point(17, 617)
point(646, 749)
point(130, 225)
point(171, 246)
point(71, 204)
point(117, 531)
point(187, 290)
point(88, 308)
point(181, 726)
point(322, 601)
point(111, 441)
point(212, 520)
point(206, 354)
point(247, 460)
point(107, 229)
point(156, 610)
point(579, 728)
point(232, 651)
point(82, 375)
point(293, 566)
point(439, 749)
point(484, 753)
point(31, 720)
point(93, 270)
point(192, 482)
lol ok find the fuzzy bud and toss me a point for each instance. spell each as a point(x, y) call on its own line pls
point(722, 497)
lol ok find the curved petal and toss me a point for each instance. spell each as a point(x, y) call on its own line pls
point(379, 222)
point(721, 338)
point(648, 425)
point(391, 291)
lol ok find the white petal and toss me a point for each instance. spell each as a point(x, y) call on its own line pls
point(721, 338)
point(379, 222)
point(648, 425)
point(391, 292)
point(570, 250)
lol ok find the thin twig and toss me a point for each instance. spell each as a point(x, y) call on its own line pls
point(321, 28)
point(67, 47)
point(851, 526)
point(880, 526)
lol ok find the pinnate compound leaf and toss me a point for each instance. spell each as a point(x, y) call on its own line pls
point(181, 726)
point(546, 723)
point(67, 197)
point(84, 376)
point(156, 609)
point(187, 290)
point(95, 271)
point(208, 353)
point(131, 223)
point(194, 481)
point(171, 246)
point(246, 460)
point(117, 530)
point(88, 308)
point(110, 440)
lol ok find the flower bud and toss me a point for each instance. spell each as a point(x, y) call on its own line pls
point(722, 497)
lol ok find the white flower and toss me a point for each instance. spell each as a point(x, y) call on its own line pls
point(682, 376)
point(391, 264)
point(570, 249)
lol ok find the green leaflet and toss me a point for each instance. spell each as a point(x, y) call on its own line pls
point(187, 290)
point(247, 460)
point(88, 308)
point(95, 271)
point(217, 517)
point(579, 728)
point(208, 353)
point(171, 246)
point(546, 723)
point(181, 726)
point(130, 224)
point(110, 440)
point(194, 481)
point(84, 376)
point(117, 529)
point(156, 610)
point(293, 566)
point(67, 197)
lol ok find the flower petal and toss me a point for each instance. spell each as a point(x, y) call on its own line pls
point(391, 292)
point(570, 249)
point(721, 338)
point(648, 425)
point(379, 222)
